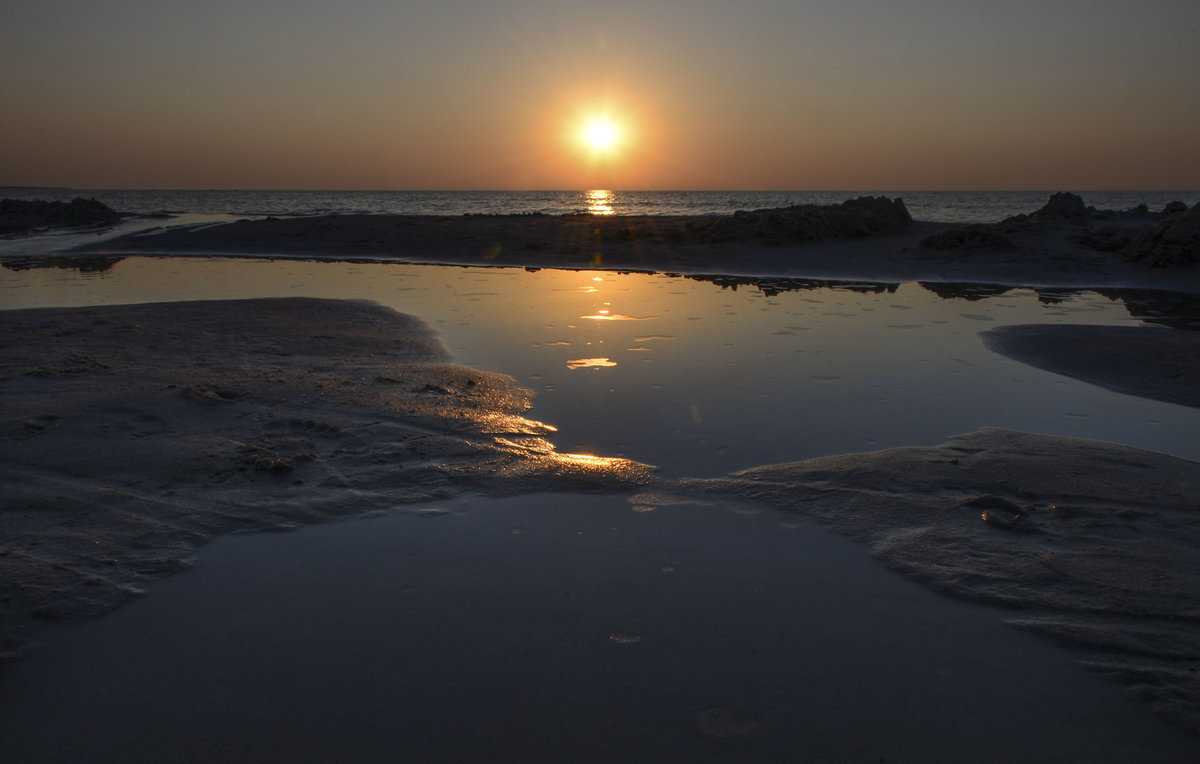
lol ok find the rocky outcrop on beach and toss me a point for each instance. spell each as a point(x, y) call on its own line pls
point(864, 216)
point(21, 216)
point(1174, 239)
point(1168, 238)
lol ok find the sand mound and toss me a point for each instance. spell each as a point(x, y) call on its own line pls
point(131, 434)
point(1093, 544)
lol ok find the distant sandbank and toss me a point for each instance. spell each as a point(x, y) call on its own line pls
point(1063, 244)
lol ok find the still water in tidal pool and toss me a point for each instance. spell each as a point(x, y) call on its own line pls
point(693, 376)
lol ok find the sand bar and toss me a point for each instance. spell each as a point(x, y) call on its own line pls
point(865, 239)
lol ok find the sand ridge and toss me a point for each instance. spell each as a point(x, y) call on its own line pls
point(871, 239)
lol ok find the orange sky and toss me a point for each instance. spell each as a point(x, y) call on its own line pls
point(764, 95)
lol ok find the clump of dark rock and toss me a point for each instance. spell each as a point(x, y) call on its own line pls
point(864, 216)
point(1174, 239)
point(1063, 205)
point(1169, 238)
point(22, 216)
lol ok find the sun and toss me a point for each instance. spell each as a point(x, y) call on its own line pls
point(600, 135)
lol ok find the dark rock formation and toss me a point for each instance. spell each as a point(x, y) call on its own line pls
point(864, 216)
point(1170, 238)
point(1174, 239)
point(18, 216)
point(1063, 205)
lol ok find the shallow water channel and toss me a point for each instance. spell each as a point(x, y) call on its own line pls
point(696, 378)
point(567, 627)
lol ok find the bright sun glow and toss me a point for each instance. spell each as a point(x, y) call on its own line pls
point(601, 135)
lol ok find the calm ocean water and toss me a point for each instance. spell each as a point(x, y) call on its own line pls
point(949, 206)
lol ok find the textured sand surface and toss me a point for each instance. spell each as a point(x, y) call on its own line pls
point(1092, 544)
point(131, 434)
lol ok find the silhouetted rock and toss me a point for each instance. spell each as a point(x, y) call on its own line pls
point(1063, 205)
point(19, 216)
point(1174, 239)
point(864, 216)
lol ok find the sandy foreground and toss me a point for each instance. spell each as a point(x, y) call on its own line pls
point(134, 434)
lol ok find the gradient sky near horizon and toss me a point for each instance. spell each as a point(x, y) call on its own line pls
point(457, 94)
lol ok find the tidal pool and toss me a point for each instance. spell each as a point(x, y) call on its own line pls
point(703, 377)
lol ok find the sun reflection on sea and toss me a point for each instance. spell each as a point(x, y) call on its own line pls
point(599, 202)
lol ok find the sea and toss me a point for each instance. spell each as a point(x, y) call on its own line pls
point(942, 206)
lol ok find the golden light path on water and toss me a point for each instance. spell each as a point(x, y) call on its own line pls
point(590, 363)
point(600, 202)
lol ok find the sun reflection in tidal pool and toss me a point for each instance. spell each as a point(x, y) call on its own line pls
point(590, 363)
point(605, 315)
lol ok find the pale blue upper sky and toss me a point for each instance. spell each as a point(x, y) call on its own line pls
point(851, 94)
